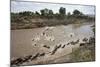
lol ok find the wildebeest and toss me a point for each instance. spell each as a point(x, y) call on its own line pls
point(55, 49)
point(25, 59)
point(77, 41)
point(16, 61)
point(68, 43)
point(82, 44)
point(37, 38)
point(21, 60)
point(46, 46)
point(34, 44)
point(42, 54)
point(50, 38)
point(63, 46)
point(43, 33)
point(73, 43)
point(34, 57)
point(71, 34)
point(85, 39)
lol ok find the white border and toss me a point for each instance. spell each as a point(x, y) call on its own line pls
point(85, 2)
point(5, 33)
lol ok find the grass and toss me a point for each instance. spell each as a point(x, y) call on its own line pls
point(83, 54)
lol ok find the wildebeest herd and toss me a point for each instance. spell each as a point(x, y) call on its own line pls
point(21, 60)
point(28, 58)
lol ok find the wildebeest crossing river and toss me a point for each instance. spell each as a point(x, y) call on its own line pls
point(48, 43)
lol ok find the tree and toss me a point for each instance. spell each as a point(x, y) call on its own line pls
point(37, 13)
point(50, 14)
point(46, 13)
point(42, 12)
point(62, 11)
point(77, 12)
point(26, 13)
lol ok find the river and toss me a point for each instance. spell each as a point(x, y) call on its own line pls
point(31, 41)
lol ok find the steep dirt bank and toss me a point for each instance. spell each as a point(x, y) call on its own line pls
point(38, 22)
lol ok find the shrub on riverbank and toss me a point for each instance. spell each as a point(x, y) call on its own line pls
point(84, 53)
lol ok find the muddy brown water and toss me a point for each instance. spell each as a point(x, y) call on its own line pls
point(22, 43)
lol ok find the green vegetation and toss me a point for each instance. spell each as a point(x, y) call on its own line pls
point(77, 13)
point(84, 53)
point(93, 29)
point(46, 17)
